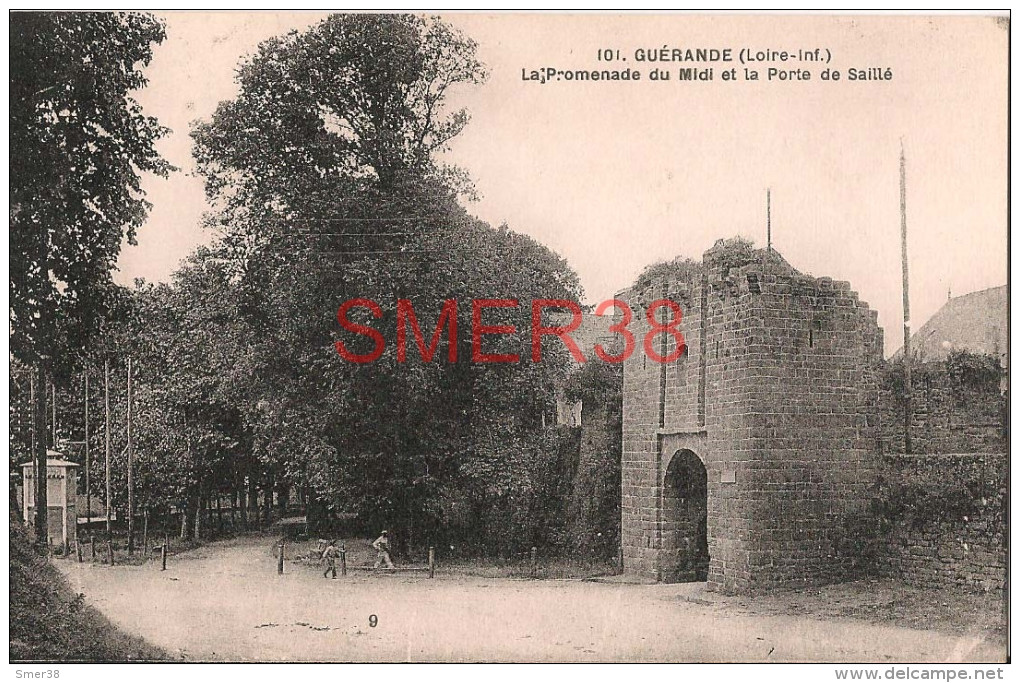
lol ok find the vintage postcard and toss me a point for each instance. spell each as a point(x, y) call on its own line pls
point(510, 337)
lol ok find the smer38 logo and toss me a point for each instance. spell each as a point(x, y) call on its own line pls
point(406, 319)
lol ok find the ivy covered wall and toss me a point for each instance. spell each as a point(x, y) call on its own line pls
point(939, 515)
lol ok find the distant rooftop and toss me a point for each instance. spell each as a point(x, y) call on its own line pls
point(53, 459)
point(53, 462)
point(977, 322)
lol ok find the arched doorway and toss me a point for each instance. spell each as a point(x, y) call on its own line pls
point(685, 519)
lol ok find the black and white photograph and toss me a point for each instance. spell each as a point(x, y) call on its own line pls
point(509, 337)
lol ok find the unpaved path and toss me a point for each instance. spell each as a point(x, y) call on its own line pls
point(225, 601)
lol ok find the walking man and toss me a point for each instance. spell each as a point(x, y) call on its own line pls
point(330, 554)
point(382, 549)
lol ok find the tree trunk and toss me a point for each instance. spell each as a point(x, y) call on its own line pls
point(268, 502)
point(198, 518)
point(242, 503)
point(130, 466)
point(253, 503)
point(183, 509)
point(284, 498)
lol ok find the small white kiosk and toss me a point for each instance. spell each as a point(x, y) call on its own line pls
point(61, 498)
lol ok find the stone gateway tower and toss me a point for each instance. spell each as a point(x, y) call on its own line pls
point(750, 460)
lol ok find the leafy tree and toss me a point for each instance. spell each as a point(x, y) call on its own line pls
point(352, 104)
point(325, 188)
point(78, 143)
point(191, 439)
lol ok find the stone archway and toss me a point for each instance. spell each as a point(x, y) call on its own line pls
point(685, 519)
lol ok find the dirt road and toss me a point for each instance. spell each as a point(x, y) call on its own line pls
point(225, 601)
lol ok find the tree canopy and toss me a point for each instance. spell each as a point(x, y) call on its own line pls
point(325, 185)
point(79, 144)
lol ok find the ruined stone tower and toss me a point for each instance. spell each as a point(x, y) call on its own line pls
point(748, 460)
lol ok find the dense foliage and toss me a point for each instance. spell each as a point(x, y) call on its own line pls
point(959, 371)
point(324, 186)
point(77, 147)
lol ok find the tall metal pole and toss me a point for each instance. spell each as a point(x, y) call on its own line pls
point(109, 487)
point(88, 461)
point(54, 440)
point(768, 217)
point(39, 417)
point(130, 468)
point(31, 408)
point(907, 389)
point(35, 449)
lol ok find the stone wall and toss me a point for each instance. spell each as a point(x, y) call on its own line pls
point(594, 510)
point(646, 384)
point(784, 398)
point(778, 396)
point(815, 356)
point(943, 506)
point(944, 520)
point(957, 407)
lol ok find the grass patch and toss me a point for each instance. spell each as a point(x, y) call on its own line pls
point(50, 622)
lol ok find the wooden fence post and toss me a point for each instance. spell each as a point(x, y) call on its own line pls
point(77, 547)
point(534, 562)
point(283, 546)
point(343, 559)
point(163, 558)
point(432, 562)
point(109, 550)
point(93, 547)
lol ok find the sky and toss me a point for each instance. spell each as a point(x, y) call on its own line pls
point(615, 176)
